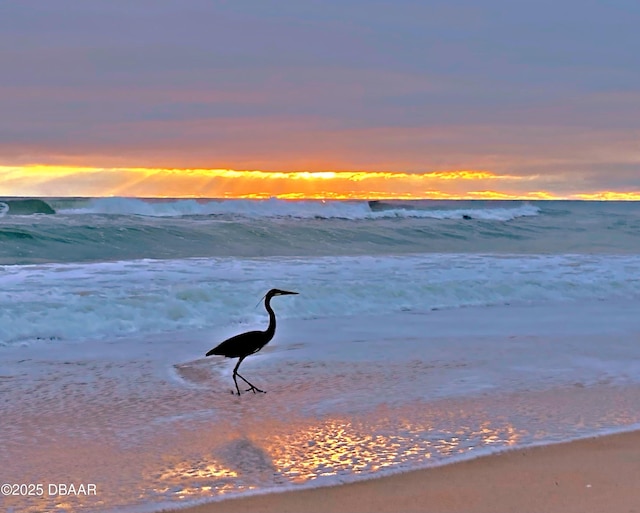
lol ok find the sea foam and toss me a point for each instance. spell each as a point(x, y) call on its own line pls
point(102, 300)
point(275, 208)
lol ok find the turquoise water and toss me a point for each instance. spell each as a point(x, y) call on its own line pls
point(89, 230)
point(423, 332)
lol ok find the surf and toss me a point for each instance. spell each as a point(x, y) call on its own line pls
point(24, 207)
point(299, 209)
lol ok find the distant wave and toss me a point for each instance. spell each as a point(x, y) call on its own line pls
point(24, 207)
point(162, 229)
point(274, 208)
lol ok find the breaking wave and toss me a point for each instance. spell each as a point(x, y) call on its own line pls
point(24, 207)
point(275, 208)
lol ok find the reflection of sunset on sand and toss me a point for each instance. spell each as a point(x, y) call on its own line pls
point(587, 476)
point(172, 439)
point(303, 452)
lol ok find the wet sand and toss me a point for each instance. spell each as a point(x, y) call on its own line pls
point(587, 476)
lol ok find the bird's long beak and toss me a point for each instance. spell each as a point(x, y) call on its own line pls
point(260, 301)
point(276, 292)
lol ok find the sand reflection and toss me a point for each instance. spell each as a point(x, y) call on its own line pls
point(339, 446)
point(192, 479)
point(334, 448)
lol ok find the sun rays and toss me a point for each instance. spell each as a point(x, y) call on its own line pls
point(230, 183)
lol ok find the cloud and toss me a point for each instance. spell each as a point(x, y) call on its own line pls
point(543, 88)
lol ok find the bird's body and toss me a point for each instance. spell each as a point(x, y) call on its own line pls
point(242, 345)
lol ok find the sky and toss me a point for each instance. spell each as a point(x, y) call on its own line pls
point(306, 98)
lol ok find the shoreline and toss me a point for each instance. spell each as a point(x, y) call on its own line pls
point(588, 475)
point(479, 381)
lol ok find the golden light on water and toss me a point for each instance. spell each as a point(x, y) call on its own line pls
point(205, 478)
point(209, 470)
point(338, 445)
point(334, 446)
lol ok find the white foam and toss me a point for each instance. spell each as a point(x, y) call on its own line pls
point(274, 208)
point(348, 398)
point(105, 300)
point(487, 214)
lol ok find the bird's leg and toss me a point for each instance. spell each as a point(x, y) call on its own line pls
point(253, 387)
point(234, 380)
point(235, 373)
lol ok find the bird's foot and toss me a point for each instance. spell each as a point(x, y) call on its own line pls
point(255, 389)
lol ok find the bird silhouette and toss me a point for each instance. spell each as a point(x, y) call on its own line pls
point(244, 344)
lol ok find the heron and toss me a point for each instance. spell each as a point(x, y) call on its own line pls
point(242, 345)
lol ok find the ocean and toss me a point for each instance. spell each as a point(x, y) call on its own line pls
point(424, 332)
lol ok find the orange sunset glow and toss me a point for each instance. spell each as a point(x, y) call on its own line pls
point(254, 184)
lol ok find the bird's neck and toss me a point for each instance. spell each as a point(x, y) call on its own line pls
point(272, 318)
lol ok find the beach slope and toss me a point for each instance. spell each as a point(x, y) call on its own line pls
point(586, 476)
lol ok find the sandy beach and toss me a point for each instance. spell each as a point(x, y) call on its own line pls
point(592, 475)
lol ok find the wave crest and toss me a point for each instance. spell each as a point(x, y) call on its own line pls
point(276, 208)
point(24, 207)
